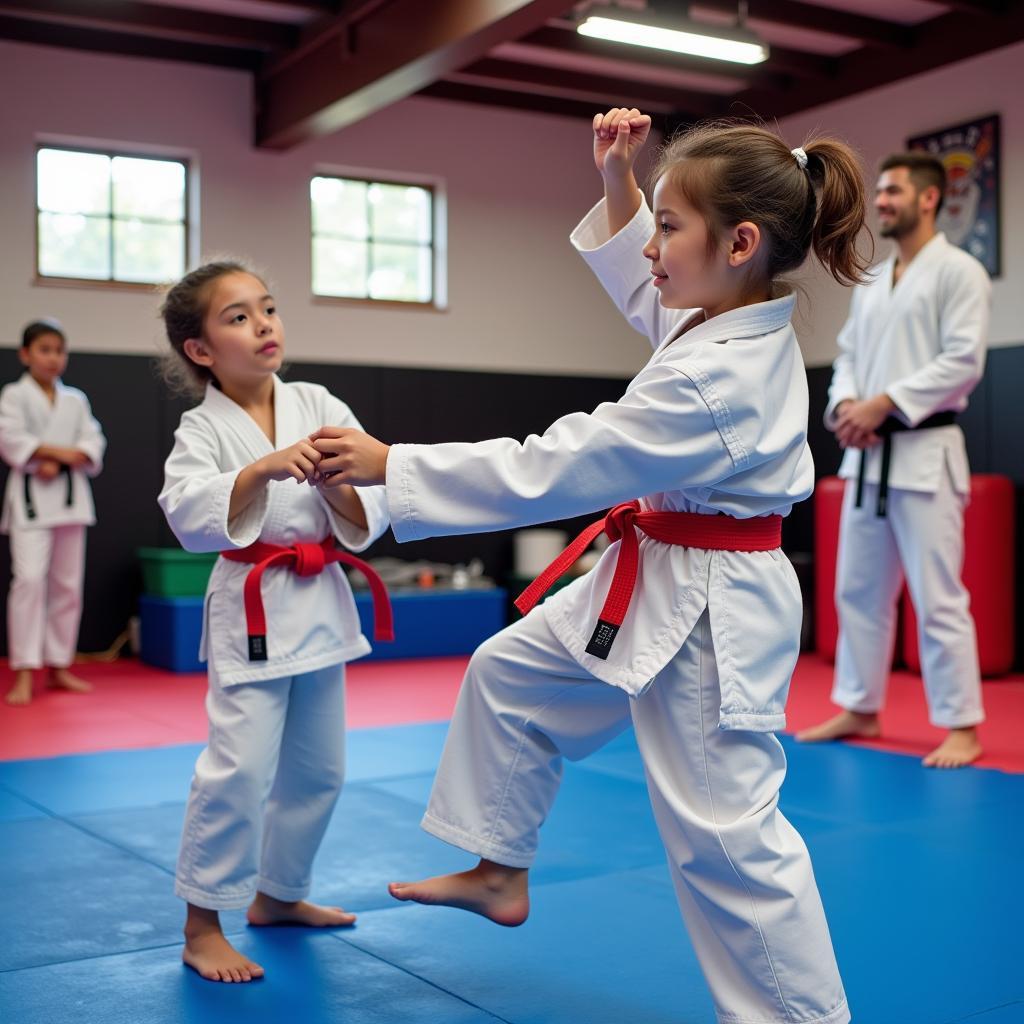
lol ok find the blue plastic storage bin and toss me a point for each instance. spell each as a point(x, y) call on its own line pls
point(170, 629)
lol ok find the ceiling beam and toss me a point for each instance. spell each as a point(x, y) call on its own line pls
point(26, 30)
point(791, 13)
point(142, 19)
point(949, 38)
point(607, 89)
point(394, 51)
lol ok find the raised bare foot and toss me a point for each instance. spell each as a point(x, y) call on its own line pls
point(20, 693)
point(959, 748)
point(492, 890)
point(62, 679)
point(846, 723)
point(210, 955)
point(265, 910)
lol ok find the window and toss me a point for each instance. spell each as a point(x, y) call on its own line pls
point(373, 240)
point(110, 217)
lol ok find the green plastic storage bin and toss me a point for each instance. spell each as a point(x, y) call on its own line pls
point(171, 572)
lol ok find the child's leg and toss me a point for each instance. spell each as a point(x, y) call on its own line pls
point(742, 874)
point(868, 581)
point(310, 772)
point(26, 607)
point(524, 705)
point(64, 606)
point(219, 857)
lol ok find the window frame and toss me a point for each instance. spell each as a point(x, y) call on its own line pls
point(113, 283)
point(438, 302)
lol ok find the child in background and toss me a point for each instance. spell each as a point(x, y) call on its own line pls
point(53, 445)
point(688, 628)
point(242, 479)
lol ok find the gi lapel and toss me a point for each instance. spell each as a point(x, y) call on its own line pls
point(231, 416)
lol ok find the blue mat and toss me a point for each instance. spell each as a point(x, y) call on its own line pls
point(918, 871)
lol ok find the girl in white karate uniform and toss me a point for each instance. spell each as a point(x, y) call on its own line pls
point(53, 445)
point(242, 479)
point(691, 632)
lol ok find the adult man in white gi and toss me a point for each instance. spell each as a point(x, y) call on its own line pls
point(911, 351)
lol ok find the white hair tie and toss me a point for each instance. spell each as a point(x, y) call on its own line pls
point(801, 157)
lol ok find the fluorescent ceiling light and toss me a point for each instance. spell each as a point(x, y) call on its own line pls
point(736, 45)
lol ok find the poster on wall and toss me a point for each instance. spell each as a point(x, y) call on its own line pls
point(970, 212)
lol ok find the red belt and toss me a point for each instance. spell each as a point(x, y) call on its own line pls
point(689, 529)
point(305, 560)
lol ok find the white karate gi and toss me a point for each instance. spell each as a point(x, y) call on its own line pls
point(46, 520)
point(716, 422)
point(922, 343)
point(273, 767)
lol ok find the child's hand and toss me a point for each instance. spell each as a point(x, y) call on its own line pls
point(619, 136)
point(298, 461)
point(349, 457)
point(47, 469)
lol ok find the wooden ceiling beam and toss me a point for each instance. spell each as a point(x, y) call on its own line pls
point(26, 30)
point(612, 90)
point(791, 13)
point(142, 19)
point(359, 66)
point(944, 40)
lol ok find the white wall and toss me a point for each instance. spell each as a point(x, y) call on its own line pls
point(519, 297)
point(879, 122)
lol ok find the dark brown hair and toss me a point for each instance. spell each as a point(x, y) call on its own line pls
point(38, 328)
point(733, 172)
point(183, 310)
point(925, 171)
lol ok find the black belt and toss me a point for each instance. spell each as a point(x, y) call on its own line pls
point(885, 431)
point(69, 498)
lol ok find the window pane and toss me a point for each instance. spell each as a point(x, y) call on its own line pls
point(71, 245)
point(151, 253)
point(400, 212)
point(339, 207)
point(401, 272)
point(73, 182)
point(339, 268)
point(149, 188)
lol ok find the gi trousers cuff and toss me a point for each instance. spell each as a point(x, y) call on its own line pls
point(840, 1015)
point(235, 899)
point(485, 848)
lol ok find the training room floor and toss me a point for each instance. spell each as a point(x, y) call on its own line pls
point(917, 869)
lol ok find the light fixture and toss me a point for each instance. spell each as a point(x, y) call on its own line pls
point(680, 35)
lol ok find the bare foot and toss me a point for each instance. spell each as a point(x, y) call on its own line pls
point(846, 723)
point(210, 955)
point(959, 748)
point(20, 693)
point(266, 910)
point(492, 890)
point(62, 679)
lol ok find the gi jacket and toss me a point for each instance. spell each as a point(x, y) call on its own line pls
point(28, 421)
point(312, 621)
point(922, 342)
point(715, 422)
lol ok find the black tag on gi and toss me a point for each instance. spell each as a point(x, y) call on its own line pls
point(602, 640)
point(258, 648)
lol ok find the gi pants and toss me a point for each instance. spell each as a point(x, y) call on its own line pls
point(921, 538)
point(44, 609)
point(264, 789)
point(742, 874)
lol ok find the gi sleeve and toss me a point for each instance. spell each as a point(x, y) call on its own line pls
point(89, 439)
point(965, 302)
point(197, 494)
point(624, 272)
point(17, 443)
point(662, 434)
point(844, 380)
point(375, 505)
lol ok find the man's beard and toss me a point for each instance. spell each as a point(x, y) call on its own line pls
point(903, 225)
